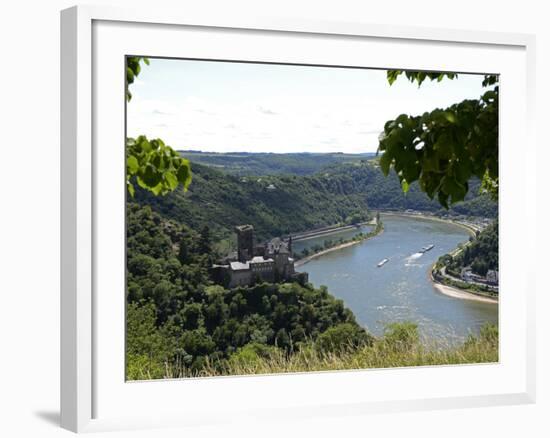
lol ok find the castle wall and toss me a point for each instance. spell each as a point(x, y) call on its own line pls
point(240, 278)
point(271, 262)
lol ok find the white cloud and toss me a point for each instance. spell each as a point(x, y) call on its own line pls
point(319, 120)
point(283, 126)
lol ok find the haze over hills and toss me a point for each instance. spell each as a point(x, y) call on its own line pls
point(250, 163)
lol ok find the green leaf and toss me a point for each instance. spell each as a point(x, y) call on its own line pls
point(450, 116)
point(157, 167)
point(129, 75)
point(392, 75)
point(145, 145)
point(453, 188)
point(171, 180)
point(463, 170)
point(156, 189)
point(444, 146)
point(184, 173)
point(150, 176)
point(142, 183)
point(132, 165)
point(385, 161)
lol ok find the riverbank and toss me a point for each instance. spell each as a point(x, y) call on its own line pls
point(401, 290)
point(343, 245)
point(444, 289)
point(456, 292)
point(462, 294)
point(326, 231)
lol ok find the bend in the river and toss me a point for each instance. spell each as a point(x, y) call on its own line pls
point(400, 290)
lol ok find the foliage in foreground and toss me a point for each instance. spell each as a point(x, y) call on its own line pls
point(399, 347)
point(443, 149)
point(151, 164)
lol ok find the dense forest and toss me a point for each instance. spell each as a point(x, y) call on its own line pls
point(481, 253)
point(177, 317)
point(386, 192)
point(180, 323)
point(281, 204)
point(275, 205)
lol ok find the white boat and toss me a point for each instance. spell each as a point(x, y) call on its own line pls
point(427, 248)
point(383, 262)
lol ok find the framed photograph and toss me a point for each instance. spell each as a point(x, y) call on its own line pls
point(267, 217)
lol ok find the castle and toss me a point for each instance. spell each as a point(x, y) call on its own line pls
point(271, 262)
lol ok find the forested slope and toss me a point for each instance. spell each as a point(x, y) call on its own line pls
point(177, 318)
point(248, 163)
point(481, 254)
point(280, 204)
point(274, 205)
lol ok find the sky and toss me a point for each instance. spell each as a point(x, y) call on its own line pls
point(242, 107)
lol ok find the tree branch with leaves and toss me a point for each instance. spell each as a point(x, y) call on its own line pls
point(151, 164)
point(443, 149)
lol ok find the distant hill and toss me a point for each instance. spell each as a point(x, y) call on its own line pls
point(385, 192)
point(280, 204)
point(382, 192)
point(273, 204)
point(246, 163)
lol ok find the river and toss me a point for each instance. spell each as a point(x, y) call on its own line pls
point(401, 290)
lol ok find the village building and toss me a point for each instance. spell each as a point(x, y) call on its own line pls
point(271, 262)
point(491, 278)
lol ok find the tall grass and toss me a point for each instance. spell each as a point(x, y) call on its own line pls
point(399, 347)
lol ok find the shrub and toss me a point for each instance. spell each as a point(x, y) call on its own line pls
point(342, 337)
point(401, 336)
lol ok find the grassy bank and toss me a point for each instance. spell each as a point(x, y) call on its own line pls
point(399, 347)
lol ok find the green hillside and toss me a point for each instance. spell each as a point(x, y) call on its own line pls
point(280, 204)
point(386, 192)
point(481, 254)
point(180, 324)
point(275, 205)
point(177, 316)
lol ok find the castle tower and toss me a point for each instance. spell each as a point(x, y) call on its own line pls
point(245, 242)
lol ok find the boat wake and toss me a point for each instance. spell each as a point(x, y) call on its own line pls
point(410, 261)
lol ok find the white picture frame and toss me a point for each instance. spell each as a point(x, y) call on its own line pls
point(92, 387)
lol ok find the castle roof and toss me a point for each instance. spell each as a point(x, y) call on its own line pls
point(260, 259)
point(239, 266)
point(246, 227)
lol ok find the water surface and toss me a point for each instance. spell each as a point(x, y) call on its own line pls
point(401, 290)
